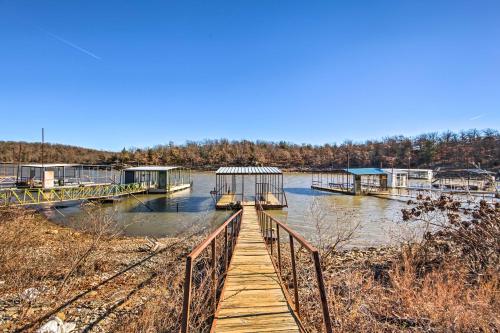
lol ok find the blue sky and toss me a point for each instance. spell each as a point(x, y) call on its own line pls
point(114, 74)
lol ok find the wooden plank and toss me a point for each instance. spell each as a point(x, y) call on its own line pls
point(253, 300)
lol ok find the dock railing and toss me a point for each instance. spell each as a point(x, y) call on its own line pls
point(211, 260)
point(28, 196)
point(281, 243)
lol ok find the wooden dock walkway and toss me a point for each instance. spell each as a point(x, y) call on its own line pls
point(252, 300)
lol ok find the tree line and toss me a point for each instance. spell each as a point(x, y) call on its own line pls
point(470, 148)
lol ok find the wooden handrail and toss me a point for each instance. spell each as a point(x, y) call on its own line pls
point(229, 242)
point(266, 222)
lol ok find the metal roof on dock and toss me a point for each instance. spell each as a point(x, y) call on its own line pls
point(248, 171)
point(152, 168)
point(357, 171)
point(49, 165)
point(365, 171)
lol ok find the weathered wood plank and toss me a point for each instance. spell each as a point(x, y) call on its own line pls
point(226, 200)
point(253, 300)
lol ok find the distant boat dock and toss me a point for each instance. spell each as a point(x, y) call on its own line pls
point(35, 184)
point(394, 183)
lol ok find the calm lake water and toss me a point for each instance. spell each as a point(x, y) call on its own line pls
point(376, 217)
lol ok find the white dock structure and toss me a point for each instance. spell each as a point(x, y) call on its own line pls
point(159, 179)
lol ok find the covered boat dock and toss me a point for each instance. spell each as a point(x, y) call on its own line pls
point(159, 179)
point(49, 175)
point(235, 186)
point(464, 180)
point(354, 181)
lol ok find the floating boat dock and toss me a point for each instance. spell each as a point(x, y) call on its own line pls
point(54, 183)
point(236, 186)
point(354, 181)
point(159, 179)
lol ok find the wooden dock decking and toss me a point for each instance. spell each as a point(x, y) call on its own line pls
point(252, 300)
point(225, 201)
point(269, 200)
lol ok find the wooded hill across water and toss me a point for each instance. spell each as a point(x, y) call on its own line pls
point(464, 149)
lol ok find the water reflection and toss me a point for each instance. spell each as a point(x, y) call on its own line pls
point(170, 215)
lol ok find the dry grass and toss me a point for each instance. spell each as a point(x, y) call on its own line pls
point(106, 283)
point(362, 299)
point(448, 280)
point(94, 278)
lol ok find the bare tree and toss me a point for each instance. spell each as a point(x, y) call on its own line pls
point(101, 226)
point(335, 227)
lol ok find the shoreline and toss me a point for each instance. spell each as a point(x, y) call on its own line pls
point(112, 269)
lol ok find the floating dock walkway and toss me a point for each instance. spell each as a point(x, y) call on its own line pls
point(253, 300)
point(27, 196)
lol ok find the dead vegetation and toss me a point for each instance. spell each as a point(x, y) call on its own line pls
point(93, 277)
point(448, 280)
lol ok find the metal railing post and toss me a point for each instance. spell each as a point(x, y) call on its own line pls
point(261, 222)
point(294, 273)
point(226, 250)
point(187, 296)
point(233, 232)
point(271, 231)
point(214, 275)
point(322, 292)
point(279, 246)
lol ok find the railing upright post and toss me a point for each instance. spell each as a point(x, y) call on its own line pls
point(214, 275)
point(271, 231)
point(237, 221)
point(233, 232)
point(261, 222)
point(322, 293)
point(279, 246)
point(226, 250)
point(187, 296)
point(294, 273)
point(267, 229)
